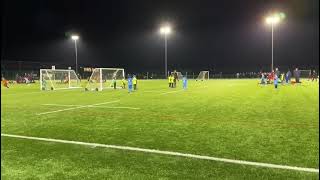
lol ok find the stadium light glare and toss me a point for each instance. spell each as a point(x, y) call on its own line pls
point(273, 20)
point(165, 30)
point(75, 37)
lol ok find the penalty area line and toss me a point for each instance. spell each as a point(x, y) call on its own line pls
point(78, 107)
point(108, 107)
point(171, 153)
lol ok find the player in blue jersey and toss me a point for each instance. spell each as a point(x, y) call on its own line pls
point(129, 83)
point(275, 81)
point(185, 82)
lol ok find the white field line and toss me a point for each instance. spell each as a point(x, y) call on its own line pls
point(71, 105)
point(152, 91)
point(154, 151)
point(78, 107)
point(172, 92)
point(121, 107)
point(63, 105)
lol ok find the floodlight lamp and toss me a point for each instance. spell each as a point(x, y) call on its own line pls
point(165, 30)
point(274, 19)
point(74, 37)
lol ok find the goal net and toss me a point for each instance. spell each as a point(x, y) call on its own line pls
point(203, 75)
point(103, 78)
point(56, 79)
point(305, 73)
point(180, 76)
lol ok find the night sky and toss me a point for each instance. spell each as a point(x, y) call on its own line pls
point(215, 35)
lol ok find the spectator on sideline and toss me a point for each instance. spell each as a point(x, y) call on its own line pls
point(288, 76)
point(296, 74)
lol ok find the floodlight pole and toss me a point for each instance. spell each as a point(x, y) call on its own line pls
point(271, 47)
point(166, 56)
point(76, 53)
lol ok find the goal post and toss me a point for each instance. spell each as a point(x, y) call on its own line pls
point(203, 75)
point(55, 79)
point(103, 78)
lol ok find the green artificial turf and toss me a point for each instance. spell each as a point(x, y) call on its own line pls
point(235, 119)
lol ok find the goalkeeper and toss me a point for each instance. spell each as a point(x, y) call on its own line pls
point(44, 84)
point(114, 83)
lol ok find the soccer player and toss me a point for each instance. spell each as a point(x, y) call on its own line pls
point(44, 84)
point(134, 82)
point(314, 76)
point(277, 72)
point(275, 81)
point(5, 82)
point(66, 79)
point(288, 76)
point(263, 78)
point(184, 81)
point(129, 83)
point(175, 78)
point(114, 83)
point(172, 81)
point(123, 83)
point(282, 78)
point(26, 80)
point(169, 80)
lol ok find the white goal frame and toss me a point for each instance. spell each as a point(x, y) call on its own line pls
point(203, 77)
point(101, 80)
point(70, 86)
